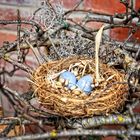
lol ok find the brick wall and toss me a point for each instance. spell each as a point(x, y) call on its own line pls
point(8, 11)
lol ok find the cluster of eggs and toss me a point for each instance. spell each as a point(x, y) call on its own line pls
point(83, 84)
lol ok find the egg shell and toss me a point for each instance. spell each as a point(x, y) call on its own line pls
point(75, 72)
point(58, 85)
point(76, 91)
point(70, 78)
point(66, 82)
point(73, 87)
point(84, 84)
point(61, 80)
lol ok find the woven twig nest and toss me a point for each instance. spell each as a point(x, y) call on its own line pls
point(107, 97)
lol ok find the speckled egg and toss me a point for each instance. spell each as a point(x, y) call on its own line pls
point(85, 84)
point(69, 78)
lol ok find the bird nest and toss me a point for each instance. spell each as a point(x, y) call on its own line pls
point(107, 96)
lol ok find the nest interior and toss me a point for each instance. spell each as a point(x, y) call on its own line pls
point(106, 98)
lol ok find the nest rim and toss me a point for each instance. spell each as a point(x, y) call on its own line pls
point(100, 102)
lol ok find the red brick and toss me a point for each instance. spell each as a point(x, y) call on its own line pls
point(13, 27)
point(69, 3)
point(14, 1)
point(6, 37)
point(119, 34)
point(18, 81)
point(137, 108)
point(7, 107)
point(19, 2)
point(33, 129)
point(8, 14)
point(9, 67)
point(105, 6)
point(109, 138)
point(137, 4)
point(94, 25)
point(32, 62)
point(136, 36)
point(18, 84)
point(11, 13)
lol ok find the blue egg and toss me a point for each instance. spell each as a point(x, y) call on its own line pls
point(67, 75)
point(84, 84)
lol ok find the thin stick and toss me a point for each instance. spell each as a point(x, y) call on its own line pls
point(18, 36)
point(53, 45)
point(77, 132)
point(34, 51)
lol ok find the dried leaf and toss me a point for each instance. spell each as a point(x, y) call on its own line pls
point(98, 38)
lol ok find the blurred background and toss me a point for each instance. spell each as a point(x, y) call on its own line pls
point(8, 11)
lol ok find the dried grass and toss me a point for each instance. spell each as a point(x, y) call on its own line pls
point(108, 97)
